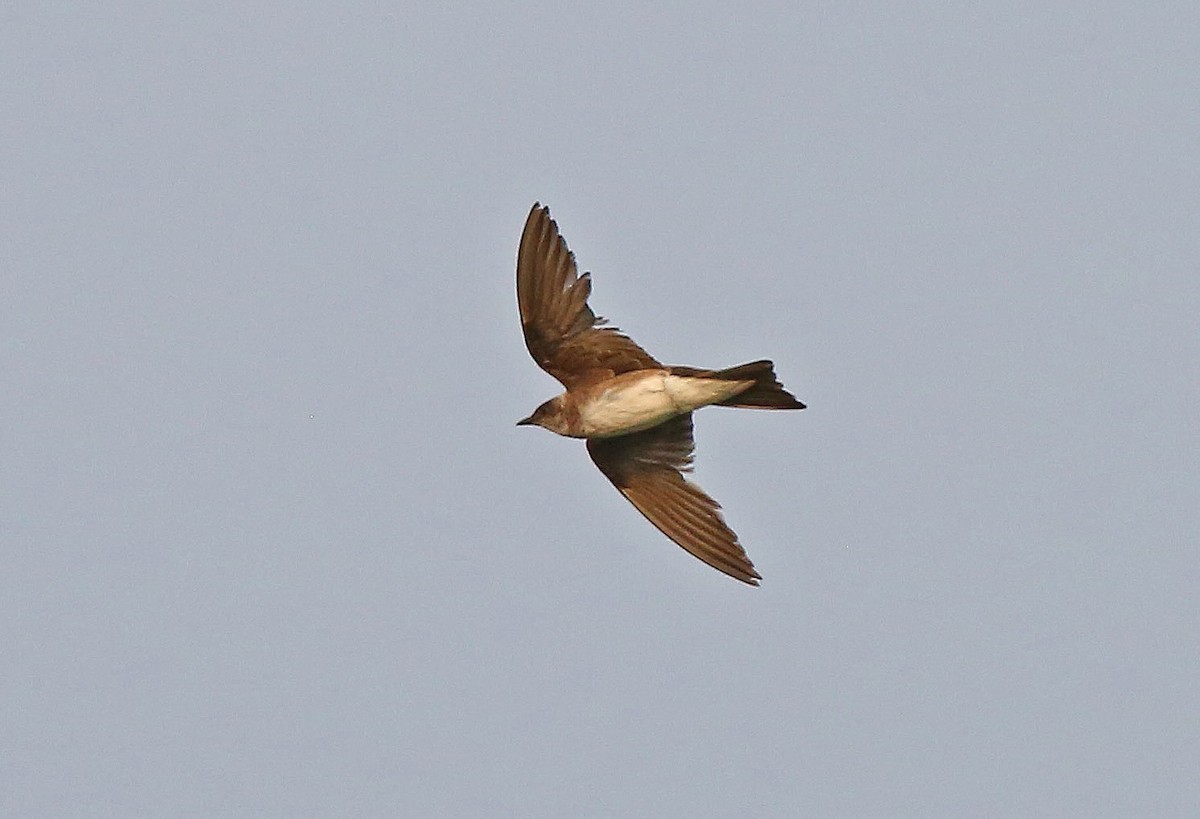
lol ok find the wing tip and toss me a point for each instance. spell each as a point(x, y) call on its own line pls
point(748, 575)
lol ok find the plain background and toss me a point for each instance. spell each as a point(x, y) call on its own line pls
point(271, 545)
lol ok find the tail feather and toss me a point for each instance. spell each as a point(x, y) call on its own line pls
point(765, 393)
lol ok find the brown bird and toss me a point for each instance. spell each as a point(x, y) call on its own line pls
point(635, 413)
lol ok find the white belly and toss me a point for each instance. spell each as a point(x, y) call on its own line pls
point(634, 404)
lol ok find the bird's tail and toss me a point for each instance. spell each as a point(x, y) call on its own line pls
point(765, 393)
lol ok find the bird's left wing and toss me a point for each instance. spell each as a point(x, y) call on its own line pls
point(562, 333)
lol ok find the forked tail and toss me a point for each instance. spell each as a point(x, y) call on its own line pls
point(765, 393)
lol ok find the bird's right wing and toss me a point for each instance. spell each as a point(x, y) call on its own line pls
point(647, 467)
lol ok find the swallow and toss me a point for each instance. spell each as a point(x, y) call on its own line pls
point(634, 412)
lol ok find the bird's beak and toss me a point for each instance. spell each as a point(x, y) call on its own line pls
point(525, 422)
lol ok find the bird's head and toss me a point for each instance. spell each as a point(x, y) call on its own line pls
point(549, 415)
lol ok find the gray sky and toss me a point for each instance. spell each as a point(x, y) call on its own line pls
point(273, 547)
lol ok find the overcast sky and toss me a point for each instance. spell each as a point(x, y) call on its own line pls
point(272, 547)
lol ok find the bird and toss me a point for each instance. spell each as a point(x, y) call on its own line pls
point(634, 413)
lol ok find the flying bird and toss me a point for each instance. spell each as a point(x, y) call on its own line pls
point(635, 413)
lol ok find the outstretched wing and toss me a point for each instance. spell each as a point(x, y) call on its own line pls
point(647, 467)
point(562, 333)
